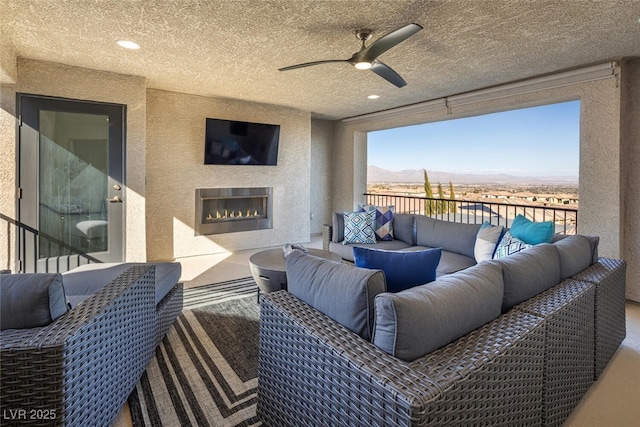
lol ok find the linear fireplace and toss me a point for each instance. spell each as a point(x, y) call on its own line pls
point(227, 210)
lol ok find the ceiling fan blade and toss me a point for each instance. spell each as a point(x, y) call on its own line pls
point(308, 64)
point(388, 41)
point(387, 73)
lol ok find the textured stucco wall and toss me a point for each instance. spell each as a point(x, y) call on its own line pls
point(600, 154)
point(8, 77)
point(321, 176)
point(175, 147)
point(46, 78)
point(630, 141)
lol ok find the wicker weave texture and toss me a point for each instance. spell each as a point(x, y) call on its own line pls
point(167, 311)
point(331, 377)
point(327, 230)
point(569, 350)
point(81, 368)
point(609, 276)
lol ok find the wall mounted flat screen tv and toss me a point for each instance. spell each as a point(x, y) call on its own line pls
point(229, 142)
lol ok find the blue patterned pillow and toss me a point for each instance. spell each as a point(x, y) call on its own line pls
point(509, 245)
point(384, 220)
point(358, 227)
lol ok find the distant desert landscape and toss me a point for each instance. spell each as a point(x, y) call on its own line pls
point(539, 199)
point(558, 192)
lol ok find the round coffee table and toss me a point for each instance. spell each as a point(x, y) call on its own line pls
point(268, 268)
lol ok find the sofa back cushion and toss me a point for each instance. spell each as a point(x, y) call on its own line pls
point(575, 255)
point(594, 241)
point(412, 323)
point(31, 300)
point(529, 272)
point(450, 236)
point(402, 269)
point(343, 292)
point(337, 231)
point(404, 228)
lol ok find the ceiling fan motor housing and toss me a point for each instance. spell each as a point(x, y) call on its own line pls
point(363, 34)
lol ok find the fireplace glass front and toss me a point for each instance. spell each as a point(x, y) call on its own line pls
point(227, 210)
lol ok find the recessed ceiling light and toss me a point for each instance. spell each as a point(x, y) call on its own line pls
point(128, 44)
point(373, 96)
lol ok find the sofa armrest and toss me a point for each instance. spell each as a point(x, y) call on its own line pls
point(327, 231)
point(609, 277)
point(333, 377)
point(84, 365)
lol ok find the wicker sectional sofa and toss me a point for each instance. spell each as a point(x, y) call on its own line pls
point(530, 365)
point(80, 368)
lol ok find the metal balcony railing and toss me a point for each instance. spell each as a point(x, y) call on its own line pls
point(477, 212)
point(29, 240)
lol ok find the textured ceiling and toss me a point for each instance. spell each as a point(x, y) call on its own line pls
point(233, 48)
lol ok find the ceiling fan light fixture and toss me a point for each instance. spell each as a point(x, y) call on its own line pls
point(363, 65)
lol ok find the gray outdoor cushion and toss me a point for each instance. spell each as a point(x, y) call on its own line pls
point(575, 255)
point(450, 262)
point(450, 236)
point(343, 292)
point(31, 300)
point(414, 322)
point(337, 223)
point(529, 272)
point(404, 228)
point(594, 241)
point(88, 279)
point(346, 251)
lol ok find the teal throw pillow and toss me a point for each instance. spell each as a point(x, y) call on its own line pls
point(384, 220)
point(402, 270)
point(531, 232)
point(358, 227)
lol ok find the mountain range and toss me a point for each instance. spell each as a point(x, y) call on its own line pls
point(377, 174)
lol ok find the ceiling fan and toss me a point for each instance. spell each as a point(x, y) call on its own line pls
point(367, 57)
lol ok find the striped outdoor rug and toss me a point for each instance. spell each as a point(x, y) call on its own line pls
point(204, 372)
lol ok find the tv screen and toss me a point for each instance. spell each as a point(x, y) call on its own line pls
point(229, 142)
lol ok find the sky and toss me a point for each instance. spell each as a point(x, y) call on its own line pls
point(537, 142)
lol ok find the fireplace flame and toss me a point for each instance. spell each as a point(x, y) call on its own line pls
point(234, 214)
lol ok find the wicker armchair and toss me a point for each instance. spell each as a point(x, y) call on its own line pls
point(80, 369)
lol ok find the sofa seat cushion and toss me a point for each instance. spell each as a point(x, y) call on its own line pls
point(346, 251)
point(343, 292)
point(402, 269)
point(450, 236)
point(414, 322)
point(450, 262)
point(84, 281)
point(31, 300)
point(528, 273)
